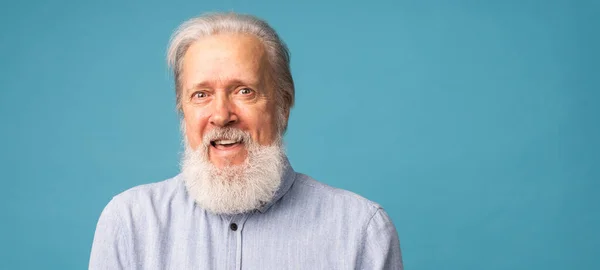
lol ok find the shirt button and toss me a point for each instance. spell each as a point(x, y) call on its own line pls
point(233, 227)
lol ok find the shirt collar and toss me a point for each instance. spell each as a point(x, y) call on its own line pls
point(287, 179)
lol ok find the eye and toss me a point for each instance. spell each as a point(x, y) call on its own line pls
point(245, 91)
point(198, 95)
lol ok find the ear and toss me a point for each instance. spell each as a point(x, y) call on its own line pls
point(182, 125)
point(286, 115)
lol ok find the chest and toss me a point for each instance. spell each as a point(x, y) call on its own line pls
point(248, 242)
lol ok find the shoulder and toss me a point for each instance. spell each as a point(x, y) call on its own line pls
point(308, 184)
point(328, 198)
point(143, 197)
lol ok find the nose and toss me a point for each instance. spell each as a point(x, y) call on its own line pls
point(223, 114)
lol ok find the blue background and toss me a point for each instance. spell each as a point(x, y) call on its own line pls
point(474, 124)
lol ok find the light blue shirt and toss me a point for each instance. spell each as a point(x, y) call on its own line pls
point(308, 225)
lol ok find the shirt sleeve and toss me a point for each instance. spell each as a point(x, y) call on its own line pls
point(110, 246)
point(381, 247)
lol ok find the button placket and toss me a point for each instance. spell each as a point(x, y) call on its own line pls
point(233, 228)
point(236, 226)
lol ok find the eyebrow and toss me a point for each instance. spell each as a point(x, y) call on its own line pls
point(208, 84)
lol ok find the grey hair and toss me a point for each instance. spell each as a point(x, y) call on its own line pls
point(214, 23)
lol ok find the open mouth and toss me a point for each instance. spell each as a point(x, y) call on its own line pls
point(224, 144)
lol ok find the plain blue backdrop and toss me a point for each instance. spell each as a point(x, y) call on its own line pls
point(474, 123)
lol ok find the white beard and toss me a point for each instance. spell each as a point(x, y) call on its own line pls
point(233, 189)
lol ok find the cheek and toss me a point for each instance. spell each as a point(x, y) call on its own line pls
point(262, 124)
point(194, 127)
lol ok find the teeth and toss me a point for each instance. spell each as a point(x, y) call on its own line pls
point(225, 142)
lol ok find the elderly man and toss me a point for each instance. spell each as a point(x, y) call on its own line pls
point(237, 203)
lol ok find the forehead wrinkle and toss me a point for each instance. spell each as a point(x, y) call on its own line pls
point(216, 79)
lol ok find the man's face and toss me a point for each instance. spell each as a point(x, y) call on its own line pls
point(225, 83)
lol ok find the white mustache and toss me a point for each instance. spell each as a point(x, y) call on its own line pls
point(226, 133)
